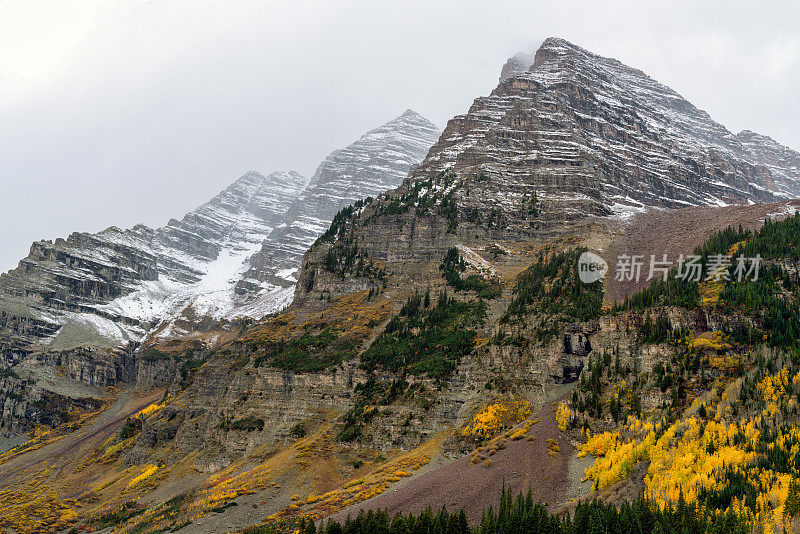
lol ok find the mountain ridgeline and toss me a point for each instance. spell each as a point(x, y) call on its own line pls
point(589, 135)
point(85, 303)
point(408, 331)
point(572, 138)
point(379, 161)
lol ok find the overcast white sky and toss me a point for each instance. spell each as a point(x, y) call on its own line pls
point(123, 111)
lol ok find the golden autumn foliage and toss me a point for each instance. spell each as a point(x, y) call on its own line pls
point(728, 363)
point(696, 455)
point(774, 388)
point(361, 488)
point(227, 485)
point(711, 288)
point(146, 473)
point(32, 507)
point(43, 435)
point(564, 417)
point(495, 418)
point(151, 409)
point(710, 341)
point(112, 452)
point(522, 431)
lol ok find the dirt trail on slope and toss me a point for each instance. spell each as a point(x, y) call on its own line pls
point(521, 465)
point(72, 447)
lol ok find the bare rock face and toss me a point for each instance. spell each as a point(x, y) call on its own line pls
point(516, 64)
point(110, 288)
point(577, 344)
point(106, 292)
point(376, 162)
point(590, 135)
point(84, 303)
point(280, 400)
point(783, 163)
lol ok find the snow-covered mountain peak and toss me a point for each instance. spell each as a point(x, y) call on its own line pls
point(589, 135)
point(111, 287)
point(106, 289)
point(379, 160)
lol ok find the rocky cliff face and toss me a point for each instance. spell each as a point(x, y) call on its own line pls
point(590, 135)
point(376, 162)
point(243, 213)
point(74, 310)
point(109, 288)
point(104, 293)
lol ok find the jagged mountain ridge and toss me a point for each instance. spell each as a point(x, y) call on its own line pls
point(590, 135)
point(108, 288)
point(376, 162)
point(211, 416)
point(115, 286)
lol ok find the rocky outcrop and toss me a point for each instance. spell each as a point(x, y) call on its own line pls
point(281, 400)
point(44, 388)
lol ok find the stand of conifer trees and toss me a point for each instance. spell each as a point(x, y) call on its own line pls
point(521, 515)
